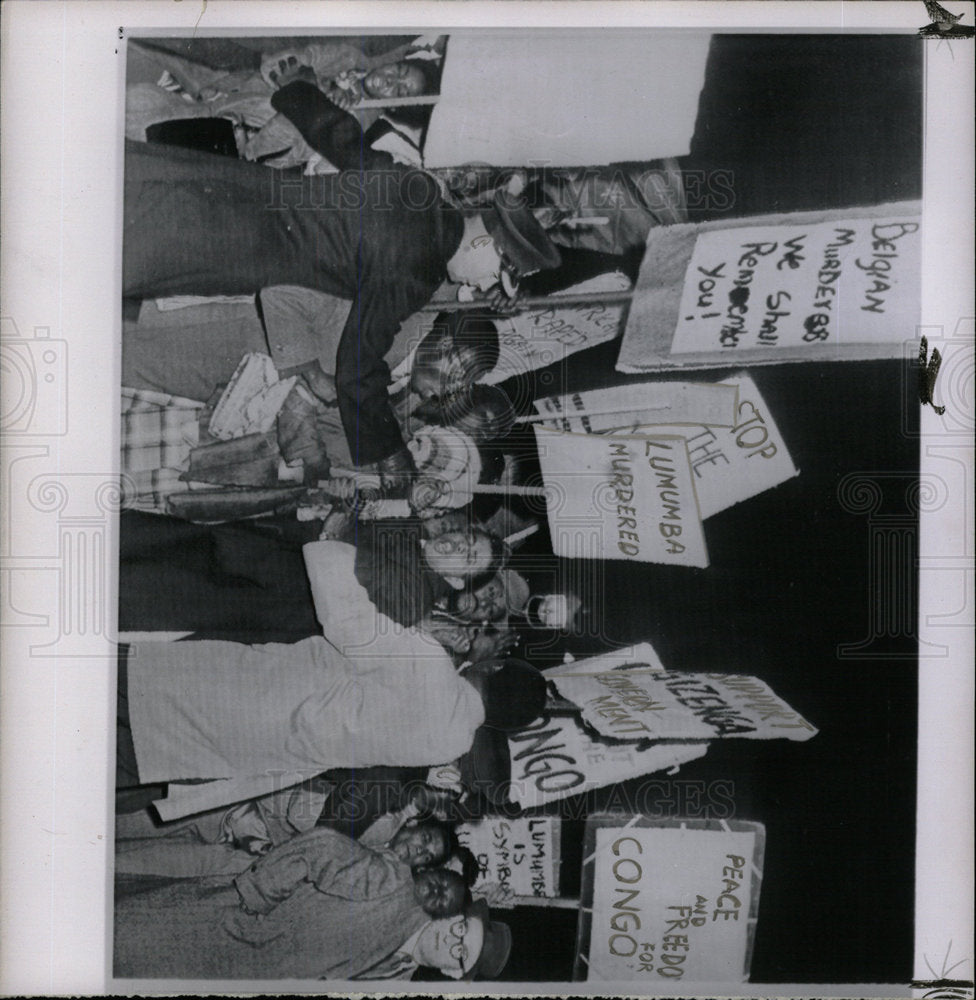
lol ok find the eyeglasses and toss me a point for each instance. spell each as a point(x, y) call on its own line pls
point(459, 950)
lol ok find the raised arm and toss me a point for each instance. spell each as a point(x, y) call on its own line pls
point(330, 131)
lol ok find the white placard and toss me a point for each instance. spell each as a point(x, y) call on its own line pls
point(619, 96)
point(625, 498)
point(732, 464)
point(556, 758)
point(540, 337)
point(635, 698)
point(526, 341)
point(520, 853)
point(851, 281)
point(627, 407)
point(672, 905)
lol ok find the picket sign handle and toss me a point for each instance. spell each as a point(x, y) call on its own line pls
point(536, 418)
point(509, 491)
point(484, 488)
point(533, 302)
point(548, 902)
point(396, 102)
point(520, 536)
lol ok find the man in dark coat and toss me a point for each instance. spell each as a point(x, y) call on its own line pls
point(376, 233)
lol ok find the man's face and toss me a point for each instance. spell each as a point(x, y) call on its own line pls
point(419, 846)
point(452, 945)
point(439, 891)
point(459, 553)
point(487, 603)
point(395, 80)
point(425, 380)
point(439, 376)
point(476, 263)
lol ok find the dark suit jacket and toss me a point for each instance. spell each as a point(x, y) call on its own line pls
point(375, 233)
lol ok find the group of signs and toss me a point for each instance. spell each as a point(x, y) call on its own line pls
point(661, 900)
point(631, 473)
point(634, 717)
point(636, 483)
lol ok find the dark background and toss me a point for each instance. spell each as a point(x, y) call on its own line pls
point(802, 122)
point(798, 122)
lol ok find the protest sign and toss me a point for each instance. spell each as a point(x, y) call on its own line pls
point(528, 340)
point(627, 407)
point(625, 498)
point(786, 286)
point(556, 758)
point(495, 107)
point(521, 854)
point(732, 460)
point(832, 285)
point(732, 464)
point(736, 463)
point(668, 900)
point(638, 699)
point(540, 337)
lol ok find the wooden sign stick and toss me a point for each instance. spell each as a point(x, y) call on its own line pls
point(344, 483)
point(508, 491)
point(536, 418)
point(532, 302)
point(549, 902)
point(397, 102)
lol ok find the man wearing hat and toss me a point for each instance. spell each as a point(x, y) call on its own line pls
point(469, 946)
point(377, 233)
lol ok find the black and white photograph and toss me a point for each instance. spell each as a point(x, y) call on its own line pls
point(510, 567)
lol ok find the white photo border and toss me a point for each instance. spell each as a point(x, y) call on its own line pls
point(63, 76)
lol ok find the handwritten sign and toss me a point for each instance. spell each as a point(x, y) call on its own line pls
point(625, 498)
point(671, 902)
point(541, 337)
point(627, 407)
point(849, 281)
point(732, 464)
point(519, 853)
point(526, 341)
point(556, 758)
point(636, 699)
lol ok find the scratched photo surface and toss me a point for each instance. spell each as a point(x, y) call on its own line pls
point(467, 632)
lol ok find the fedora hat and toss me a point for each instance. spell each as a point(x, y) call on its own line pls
point(519, 237)
point(496, 946)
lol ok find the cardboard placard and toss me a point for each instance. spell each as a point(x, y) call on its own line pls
point(732, 464)
point(526, 341)
point(625, 498)
point(495, 107)
point(521, 853)
point(834, 285)
point(668, 901)
point(636, 698)
point(625, 408)
point(540, 337)
point(787, 286)
point(556, 758)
